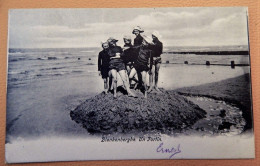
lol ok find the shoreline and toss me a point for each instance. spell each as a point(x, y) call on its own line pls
point(209, 52)
point(236, 91)
point(56, 118)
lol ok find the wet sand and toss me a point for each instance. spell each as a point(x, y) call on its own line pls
point(42, 108)
point(218, 108)
point(236, 91)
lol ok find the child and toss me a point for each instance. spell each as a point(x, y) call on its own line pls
point(139, 39)
point(143, 62)
point(128, 54)
point(157, 51)
point(116, 65)
point(103, 65)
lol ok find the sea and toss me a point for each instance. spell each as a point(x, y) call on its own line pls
point(27, 65)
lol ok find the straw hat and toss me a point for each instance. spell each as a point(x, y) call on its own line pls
point(156, 34)
point(148, 39)
point(111, 39)
point(138, 28)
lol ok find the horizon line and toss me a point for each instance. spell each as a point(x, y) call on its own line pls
point(100, 47)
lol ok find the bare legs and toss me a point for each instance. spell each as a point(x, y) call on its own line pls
point(105, 85)
point(114, 80)
point(153, 78)
point(128, 69)
point(110, 80)
point(143, 74)
point(125, 80)
point(141, 79)
point(157, 68)
point(132, 75)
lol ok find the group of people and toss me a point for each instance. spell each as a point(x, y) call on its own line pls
point(141, 58)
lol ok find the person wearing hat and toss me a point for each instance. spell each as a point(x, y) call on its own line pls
point(157, 49)
point(127, 55)
point(143, 63)
point(116, 65)
point(103, 65)
point(136, 46)
point(138, 39)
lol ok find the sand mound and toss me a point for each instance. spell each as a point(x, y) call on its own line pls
point(162, 112)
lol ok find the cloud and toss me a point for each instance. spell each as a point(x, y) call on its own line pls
point(179, 27)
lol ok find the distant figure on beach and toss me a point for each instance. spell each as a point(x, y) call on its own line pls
point(116, 65)
point(143, 63)
point(103, 66)
point(157, 49)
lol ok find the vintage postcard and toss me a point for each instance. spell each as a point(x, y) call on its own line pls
point(128, 83)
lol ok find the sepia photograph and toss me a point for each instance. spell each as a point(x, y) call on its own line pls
point(128, 83)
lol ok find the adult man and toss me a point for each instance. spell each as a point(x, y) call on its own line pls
point(103, 65)
point(157, 49)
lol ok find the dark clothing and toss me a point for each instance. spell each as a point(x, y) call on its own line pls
point(113, 50)
point(142, 60)
point(104, 72)
point(138, 40)
point(157, 48)
point(157, 60)
point(103, 59)
point(129, 54)
point(103, 63)
point(118, 66)
point(116, 63)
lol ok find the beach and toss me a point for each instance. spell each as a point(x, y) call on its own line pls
point(40, 105)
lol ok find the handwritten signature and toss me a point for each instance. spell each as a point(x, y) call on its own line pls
point(173, 151)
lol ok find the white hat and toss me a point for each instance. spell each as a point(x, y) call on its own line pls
point(156, 34)
point(127, 37)
point(148, 39)
point(138, 28)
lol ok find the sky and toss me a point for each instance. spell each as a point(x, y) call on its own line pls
point(68, 28)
